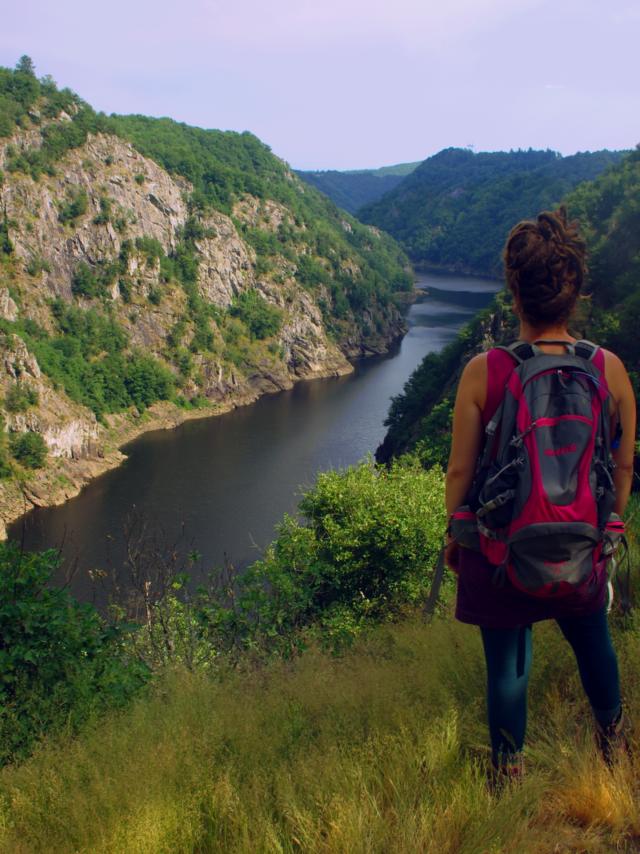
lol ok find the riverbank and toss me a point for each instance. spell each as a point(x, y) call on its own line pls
point(456, 270)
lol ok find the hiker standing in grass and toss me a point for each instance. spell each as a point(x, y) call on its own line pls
point(541, 462)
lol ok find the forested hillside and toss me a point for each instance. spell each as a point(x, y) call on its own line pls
point(455, 210)
point(608, 210)
point(352, 189)
point(144, 262)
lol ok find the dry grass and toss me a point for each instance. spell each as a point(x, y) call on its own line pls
point(382, 750)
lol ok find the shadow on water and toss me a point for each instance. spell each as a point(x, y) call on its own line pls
point(228, 480)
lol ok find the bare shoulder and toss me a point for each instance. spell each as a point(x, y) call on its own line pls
point(616, 374)
point(473, 382)
point(476, 366)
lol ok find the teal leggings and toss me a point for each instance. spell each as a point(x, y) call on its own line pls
point(508, 655)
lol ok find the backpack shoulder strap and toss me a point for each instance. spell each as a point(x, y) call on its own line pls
point(520, 351)
point(586, 349)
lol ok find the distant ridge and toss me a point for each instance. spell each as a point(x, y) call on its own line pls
point(456, 208)
point(350, 189)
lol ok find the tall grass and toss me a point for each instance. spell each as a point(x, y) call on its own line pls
point(383, 749)
point(380, 750)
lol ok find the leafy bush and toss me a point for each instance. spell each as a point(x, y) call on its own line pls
point(20, 397)
point(150, 248)
point(94, 281)
point(6, 246)
point(37, 264)
point(29, 449)
point(104, 216)
point(74, 206)
point(146, 380)
point(261, 319)
point(59, 661)
point(367, 549)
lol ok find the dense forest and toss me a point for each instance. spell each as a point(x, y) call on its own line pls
point(352, 189)
point(455, 210)
point(608, 210)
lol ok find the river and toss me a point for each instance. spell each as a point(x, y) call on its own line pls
point(225, 481)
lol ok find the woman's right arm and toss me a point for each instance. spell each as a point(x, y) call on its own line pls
point(625, 402)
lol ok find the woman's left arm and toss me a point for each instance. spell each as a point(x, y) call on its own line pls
point(466, 439)
point(467, 431)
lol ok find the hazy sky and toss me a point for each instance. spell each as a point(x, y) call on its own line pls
point(351, 83)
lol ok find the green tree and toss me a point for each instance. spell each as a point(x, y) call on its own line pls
point(25, 65)
point(261, 319)
point(29, 449)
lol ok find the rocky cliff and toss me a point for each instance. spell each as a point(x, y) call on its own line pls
point(106, 245)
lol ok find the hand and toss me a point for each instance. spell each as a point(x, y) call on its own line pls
point(452, 555)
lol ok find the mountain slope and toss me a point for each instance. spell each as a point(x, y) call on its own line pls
point(455, 210)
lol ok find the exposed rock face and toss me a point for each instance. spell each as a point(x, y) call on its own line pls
point(8, 308)
point(226, 262)
point(17, 361)
point(68, 428)
point(104, 168)
point(76, 439)
point(108, 206)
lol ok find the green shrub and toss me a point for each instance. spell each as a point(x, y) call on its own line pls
point(125, 290)
point(146, 380)
point(29, 449)
point(74, 206)
point(365, 550)
point(94, 281)
point(150, 248)
point(37, 265)
point(59, 661)
point(6, 245)
point(20, 397)
point(104, 216)
point(261, 319)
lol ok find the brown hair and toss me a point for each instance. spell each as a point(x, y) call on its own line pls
point(545, 266)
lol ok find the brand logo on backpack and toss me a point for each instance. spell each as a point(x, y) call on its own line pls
point(556, 452)
point(543, 489)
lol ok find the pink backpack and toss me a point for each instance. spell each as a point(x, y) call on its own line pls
point(543, 494)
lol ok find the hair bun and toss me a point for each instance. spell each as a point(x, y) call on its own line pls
point(545, 266)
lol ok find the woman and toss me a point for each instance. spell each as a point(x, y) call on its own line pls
point(544, 266)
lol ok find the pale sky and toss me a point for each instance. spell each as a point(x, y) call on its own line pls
point(345, 84)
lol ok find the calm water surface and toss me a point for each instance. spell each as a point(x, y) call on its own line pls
point(228, 479)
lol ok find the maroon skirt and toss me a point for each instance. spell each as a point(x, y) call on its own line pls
point(501, 606)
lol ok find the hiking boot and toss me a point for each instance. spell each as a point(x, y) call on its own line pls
point(612, 740)
point(507, 770)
